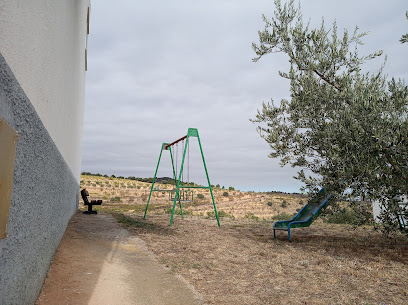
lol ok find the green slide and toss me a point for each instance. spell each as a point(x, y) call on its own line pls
point(306, 215)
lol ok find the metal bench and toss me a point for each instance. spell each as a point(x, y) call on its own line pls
point(84, 195)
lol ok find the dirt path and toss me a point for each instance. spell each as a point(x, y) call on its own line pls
point(99, 262)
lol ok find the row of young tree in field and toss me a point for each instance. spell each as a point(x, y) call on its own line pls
point(345, 130)
point(163, 180)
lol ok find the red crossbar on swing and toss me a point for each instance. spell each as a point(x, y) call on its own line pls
point(183, 195)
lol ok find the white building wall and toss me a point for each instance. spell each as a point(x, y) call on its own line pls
point(42, 81)
point(44, 42)
point(376, 210)
point(377, 207)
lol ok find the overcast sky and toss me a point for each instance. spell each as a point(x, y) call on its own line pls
point(156, 68)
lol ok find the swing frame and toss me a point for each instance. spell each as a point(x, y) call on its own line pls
point(192, 132)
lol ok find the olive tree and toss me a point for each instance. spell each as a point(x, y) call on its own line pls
point(344, 129)
point(404, 38)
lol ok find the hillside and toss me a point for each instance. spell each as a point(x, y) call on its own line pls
point(134, 194)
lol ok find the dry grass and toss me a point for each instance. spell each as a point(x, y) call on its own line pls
point(241, 263)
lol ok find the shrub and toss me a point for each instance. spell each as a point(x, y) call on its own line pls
point(301, 202)
point(231, 188)
point(350, 216)
point(200, 196)
point(221, 214)
point(225, 194)
point(282, 216)
point(178, 211)
point(115, 199)
point(251, 216)
point(284, 204)
point(185, 212)
point(270, 203)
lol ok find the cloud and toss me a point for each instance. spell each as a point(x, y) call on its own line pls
point(156, 68)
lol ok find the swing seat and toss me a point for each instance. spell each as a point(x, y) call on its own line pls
point(182, 196)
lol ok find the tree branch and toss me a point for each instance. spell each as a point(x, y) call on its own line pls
point(395, 165)
point(328, 81)
point(317, 72)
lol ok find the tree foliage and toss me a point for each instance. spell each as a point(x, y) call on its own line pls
point(404, 38)
point(344, 129)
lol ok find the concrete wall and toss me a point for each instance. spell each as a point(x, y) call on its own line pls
point(43, 42)
point(42, 78)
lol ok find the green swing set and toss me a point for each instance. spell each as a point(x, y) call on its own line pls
point(181, 192)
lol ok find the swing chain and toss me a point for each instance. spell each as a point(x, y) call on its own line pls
point(183, 195)
point(182, 172)
point(176, 152)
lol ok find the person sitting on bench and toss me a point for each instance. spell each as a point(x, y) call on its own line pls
point(84, 195)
